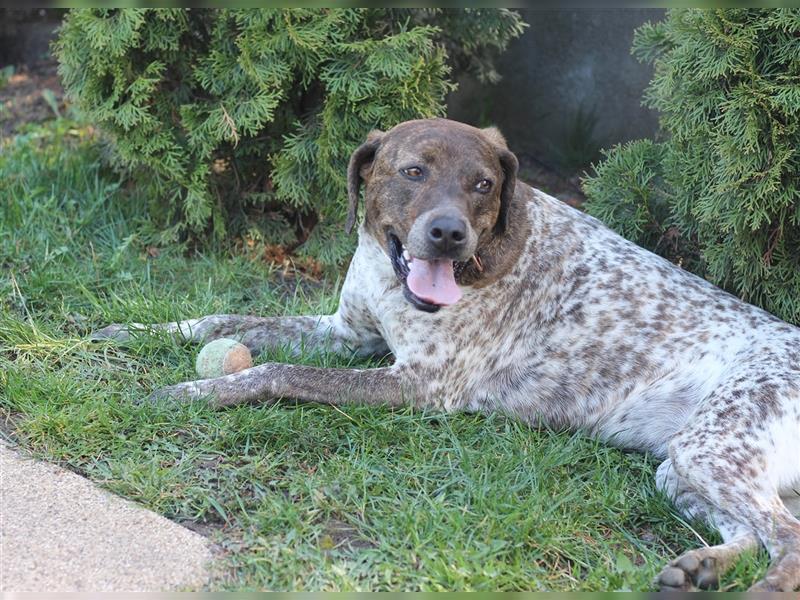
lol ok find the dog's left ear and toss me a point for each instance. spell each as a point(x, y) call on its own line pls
point(359, 167)
point(510, 167)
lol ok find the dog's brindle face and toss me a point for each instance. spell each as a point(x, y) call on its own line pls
point(423, 173)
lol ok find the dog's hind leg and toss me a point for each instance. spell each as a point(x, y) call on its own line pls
point(735, 453)
point(783, 544)
point(701, 568)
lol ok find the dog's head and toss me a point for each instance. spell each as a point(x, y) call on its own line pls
point(436, 192)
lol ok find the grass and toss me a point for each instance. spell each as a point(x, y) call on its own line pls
point(297, 496)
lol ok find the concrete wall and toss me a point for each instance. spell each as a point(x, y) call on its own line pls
point(25, 34)
point(568, 63)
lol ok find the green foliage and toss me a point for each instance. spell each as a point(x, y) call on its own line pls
point(727, 85)
point(242, 121)
point(628, 183)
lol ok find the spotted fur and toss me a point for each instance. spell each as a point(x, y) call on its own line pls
point(572, 326)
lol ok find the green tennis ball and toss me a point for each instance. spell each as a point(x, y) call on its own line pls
point(222, 357)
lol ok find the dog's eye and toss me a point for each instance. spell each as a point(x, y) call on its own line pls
point(483, 186)
point(412, 172)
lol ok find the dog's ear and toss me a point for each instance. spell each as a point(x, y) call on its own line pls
point(493, 135)
point(510, 167)
point(359, 167)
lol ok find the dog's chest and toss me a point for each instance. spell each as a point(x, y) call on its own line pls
point(440, 341)
point(459, 350)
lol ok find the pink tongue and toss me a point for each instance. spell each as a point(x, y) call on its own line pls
point(433, 281)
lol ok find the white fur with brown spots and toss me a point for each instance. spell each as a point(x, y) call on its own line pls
point(579, 328)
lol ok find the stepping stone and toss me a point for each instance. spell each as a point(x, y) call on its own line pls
point(61, 533)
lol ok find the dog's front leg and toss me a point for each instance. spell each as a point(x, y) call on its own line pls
point(340, 332)
point(393, 386)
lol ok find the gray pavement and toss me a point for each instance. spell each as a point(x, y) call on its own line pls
point(59, 533)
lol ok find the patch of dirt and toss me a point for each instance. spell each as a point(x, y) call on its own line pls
point(23, 96)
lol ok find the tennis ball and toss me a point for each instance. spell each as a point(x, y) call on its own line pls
point(222, 357)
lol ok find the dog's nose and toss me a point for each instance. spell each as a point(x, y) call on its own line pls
point(447, 233)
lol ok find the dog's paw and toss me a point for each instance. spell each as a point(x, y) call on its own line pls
point(182, 392)
point(689, 573)
point(114, 333)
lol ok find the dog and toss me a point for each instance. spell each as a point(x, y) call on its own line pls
point(493, 296)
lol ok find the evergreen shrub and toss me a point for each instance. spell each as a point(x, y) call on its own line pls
point(721, 185)
point(242, 121)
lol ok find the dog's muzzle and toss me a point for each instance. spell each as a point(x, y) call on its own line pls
point(428, 285)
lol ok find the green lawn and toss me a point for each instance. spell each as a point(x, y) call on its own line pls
point(298, 496)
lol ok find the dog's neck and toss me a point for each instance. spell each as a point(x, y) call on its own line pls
point(497, 255)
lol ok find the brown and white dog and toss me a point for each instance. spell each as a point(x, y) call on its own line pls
point(493, 296)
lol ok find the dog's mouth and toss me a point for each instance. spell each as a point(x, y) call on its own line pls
point(427, 284)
